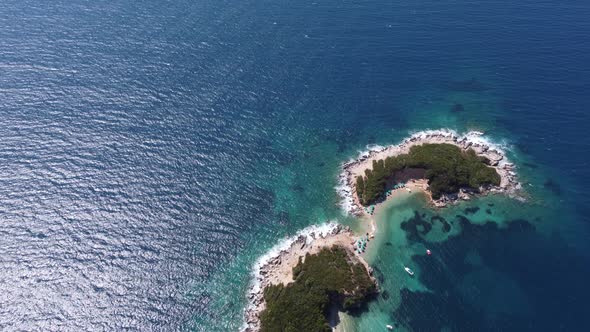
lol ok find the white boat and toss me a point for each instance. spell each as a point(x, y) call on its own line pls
point(410, 272)
point(389, 327)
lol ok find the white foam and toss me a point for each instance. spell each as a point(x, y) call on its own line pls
point(482, 139)
point(310, 233)
point(432, 132)
point(375, 147)
point(345, 193)
point(371, 148)
point(473, 136)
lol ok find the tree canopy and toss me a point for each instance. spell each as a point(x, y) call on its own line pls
point(448, 169)
point(321, 280)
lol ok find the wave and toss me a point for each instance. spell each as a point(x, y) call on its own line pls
point(255, 289)
point(429, 132)
point(310, 233)
point(473, 136)
point(371, 148)
point(344, 191)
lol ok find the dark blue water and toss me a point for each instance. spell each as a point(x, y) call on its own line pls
point(151, 151)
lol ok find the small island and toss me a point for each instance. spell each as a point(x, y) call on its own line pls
point(332, 278)
point(445, 166)
point(305, 278)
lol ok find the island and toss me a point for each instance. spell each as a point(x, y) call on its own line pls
point(331, 278)
point(321, 270)
point(445, 166)
point(299, 283)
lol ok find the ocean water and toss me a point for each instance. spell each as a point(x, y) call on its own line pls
point(151, 152)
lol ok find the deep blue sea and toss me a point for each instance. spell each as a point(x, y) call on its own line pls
point(151, 151)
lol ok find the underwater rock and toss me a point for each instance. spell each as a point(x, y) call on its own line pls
point(458, 108)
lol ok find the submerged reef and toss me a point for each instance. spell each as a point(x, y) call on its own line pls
point(509, 287)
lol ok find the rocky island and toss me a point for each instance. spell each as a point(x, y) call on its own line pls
point(305, 277)
point(446, 166)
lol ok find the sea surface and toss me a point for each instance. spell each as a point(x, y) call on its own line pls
point(152, 151)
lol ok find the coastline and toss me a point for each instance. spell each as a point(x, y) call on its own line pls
point(276, 266)
point(472, 140)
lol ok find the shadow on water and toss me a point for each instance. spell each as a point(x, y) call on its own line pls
point(468, 294)
point(363, 307)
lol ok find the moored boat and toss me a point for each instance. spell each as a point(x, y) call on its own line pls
point(410, 272)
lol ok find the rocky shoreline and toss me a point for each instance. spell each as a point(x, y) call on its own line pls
point(277, 266)
point(508, 184)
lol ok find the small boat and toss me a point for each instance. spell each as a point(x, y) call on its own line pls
point(428, 252)
point(389, 327)
point(410, 272)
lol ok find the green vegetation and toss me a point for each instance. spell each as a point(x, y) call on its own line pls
point(322, 280)
point(448, 169)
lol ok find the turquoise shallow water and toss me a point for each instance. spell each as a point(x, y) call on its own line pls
point(481, 253)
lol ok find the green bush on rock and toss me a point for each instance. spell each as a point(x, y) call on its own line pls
point(322, 280)
point(448, 169)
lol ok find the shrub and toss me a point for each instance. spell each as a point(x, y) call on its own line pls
point(448, 169)
point(325, 279)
